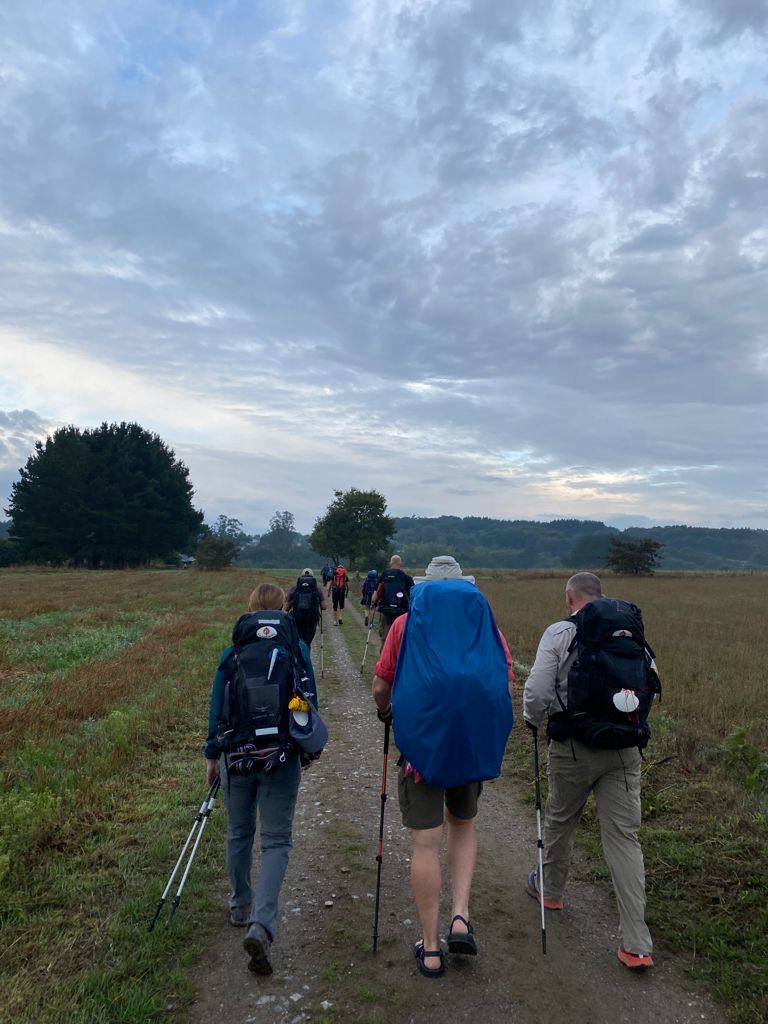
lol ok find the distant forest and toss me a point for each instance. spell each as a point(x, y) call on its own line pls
point(572, 543)
point(523, 544)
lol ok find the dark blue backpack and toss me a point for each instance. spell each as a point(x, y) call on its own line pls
point(370, 583)
point(452, 713)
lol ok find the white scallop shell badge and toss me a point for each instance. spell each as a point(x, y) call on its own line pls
point(266, 632)
point(626, 701)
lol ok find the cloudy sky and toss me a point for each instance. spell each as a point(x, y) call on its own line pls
point(492, 257)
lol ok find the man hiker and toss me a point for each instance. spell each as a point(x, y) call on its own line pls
point(392, 594)
point(446, 646)
point(305, 603)
point(339, 590)
point(367, 590)
point(594, 678)
point(262, 775)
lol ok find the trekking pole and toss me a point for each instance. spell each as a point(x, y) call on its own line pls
point(198, 818)
point(322, 649)
point(380, 848)
point(204, 821)
point(539, 842)
point(367, 640)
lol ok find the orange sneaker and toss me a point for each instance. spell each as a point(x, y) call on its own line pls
point(635, 961)
point(533, 891)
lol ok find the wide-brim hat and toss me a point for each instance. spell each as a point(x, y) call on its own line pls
point(442, 567)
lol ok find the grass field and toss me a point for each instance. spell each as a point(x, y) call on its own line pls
point(705, 811)
point(105, 683)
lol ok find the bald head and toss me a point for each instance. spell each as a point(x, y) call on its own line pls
point(581, 589)
point(395, 562)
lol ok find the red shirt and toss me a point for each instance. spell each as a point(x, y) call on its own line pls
point(387, 663)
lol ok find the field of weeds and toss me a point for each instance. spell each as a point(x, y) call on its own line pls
point(103, 707)
point(705, 799)
point(103, 702)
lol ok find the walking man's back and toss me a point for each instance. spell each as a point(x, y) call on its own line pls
point(392, 595)
point(444, 675)
point(594, 679)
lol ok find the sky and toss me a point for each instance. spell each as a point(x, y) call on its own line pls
point(491, 258)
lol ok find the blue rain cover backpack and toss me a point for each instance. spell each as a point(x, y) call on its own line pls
point(451, 709)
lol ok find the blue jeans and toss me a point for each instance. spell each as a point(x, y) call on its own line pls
point(274, 796)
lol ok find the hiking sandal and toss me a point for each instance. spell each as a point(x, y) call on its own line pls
point(419, 952)
point(460, 943)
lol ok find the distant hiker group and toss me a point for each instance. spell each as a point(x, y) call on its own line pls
point(444, 684)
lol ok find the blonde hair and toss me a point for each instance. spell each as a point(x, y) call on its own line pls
point(267, 597)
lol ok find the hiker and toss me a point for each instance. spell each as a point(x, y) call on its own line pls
point(264, 780)
point(392, 594)
point(327, 574)
point(597, 751)
point(306, 604)
point(445, 677)
point(367, 590)
point(339, 591)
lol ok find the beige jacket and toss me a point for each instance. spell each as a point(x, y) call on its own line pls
point(550, 670)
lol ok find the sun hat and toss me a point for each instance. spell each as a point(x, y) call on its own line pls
point(443, 567)
point(307, 572)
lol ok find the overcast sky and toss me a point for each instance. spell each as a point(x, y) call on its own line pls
point(491, 257)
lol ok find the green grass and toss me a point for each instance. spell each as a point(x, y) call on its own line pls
point(102, 776)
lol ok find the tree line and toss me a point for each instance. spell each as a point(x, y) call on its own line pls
point(116, 496)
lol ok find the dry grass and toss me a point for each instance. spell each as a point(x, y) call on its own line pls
point(705, 793)
point(707, 631)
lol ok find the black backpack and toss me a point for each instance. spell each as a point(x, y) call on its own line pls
point(396, 593)
point(265, 671)
point(612, 682)
point(306, 597)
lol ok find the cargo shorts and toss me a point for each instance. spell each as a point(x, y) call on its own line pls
point(422, 806)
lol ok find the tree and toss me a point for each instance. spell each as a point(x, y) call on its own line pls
point(228, 528)
point(280, 547)
point(589, 551)
point(110, 497)
point(633, 557)
point(355, 527)
point(9, 553)
point(215, 552)
point(220, 544)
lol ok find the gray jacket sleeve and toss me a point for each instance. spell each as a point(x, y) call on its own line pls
point(549, 673)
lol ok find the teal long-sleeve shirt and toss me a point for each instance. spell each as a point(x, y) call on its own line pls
point(217, 694)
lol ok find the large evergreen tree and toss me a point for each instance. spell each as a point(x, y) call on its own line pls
point(356, 526)
point(112, 497)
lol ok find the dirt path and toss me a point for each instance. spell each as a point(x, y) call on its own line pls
point(324, 970)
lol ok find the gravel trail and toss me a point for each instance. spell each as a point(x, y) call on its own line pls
point(324, 970)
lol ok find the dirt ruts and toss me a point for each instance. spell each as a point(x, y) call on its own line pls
point(324, 970)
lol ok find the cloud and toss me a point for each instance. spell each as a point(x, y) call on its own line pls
point(20, 429)
point(487, 257)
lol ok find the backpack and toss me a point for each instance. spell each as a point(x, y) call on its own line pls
point(264, 674)
point(340, 578)
point(370, 583)
point(396, 597)
point(451, 709)
point(612, 682)
point(306, 598)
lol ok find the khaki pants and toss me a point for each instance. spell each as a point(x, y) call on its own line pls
point(614, 777)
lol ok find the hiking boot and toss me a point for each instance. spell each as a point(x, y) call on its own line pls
point(635, 961)
point(533, 891)
point(256, 944)
point(339, 621)
point(238, 916)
